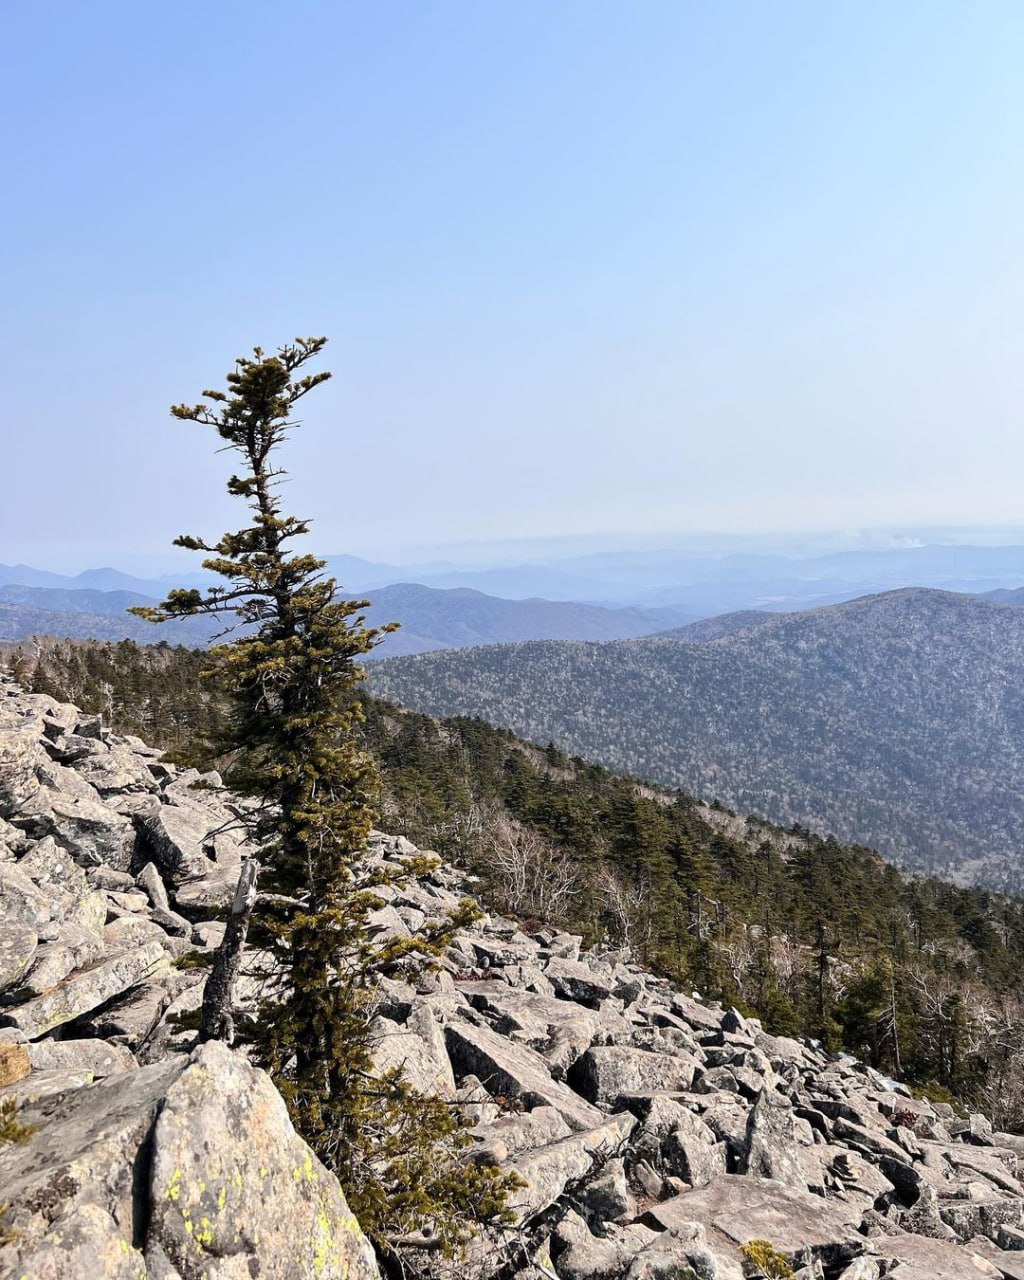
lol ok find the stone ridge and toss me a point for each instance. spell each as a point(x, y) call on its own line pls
point(655, 1137)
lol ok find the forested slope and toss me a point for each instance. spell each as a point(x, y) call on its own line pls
point(895, 720)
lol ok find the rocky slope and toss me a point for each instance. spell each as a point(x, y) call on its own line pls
point(655, 1137)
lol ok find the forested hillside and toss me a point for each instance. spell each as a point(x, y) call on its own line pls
point(915, 975)
point(895, 720)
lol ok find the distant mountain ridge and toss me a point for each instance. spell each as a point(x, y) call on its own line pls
point(460, 618)
point(431, 619)
point(895, 720)
point(698, 580)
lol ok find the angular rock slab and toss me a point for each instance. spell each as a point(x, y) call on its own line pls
point(736, 1209)
point(514, 1071)
point(235, 1192)
point(607, 1072)
point(547, 1170)
point(919, 1258)
point(17, 951)
point(84, 991)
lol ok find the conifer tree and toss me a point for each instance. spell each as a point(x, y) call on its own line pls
point(291, 677)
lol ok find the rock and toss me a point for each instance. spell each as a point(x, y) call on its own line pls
point(15, 1063)
point(84, 991)
point(547, 1170)
point(772, 1149)
point(53, 962)
point(84, 1152)
point(524, 1130)
point(200, 899)
point(90, 831)
point(691, 1152)
point(513, 1071)
point(736, 1209)
point(605, 1073)
point(607, 1197)
point(181, 841)
point(23, 902)
point(924, 1259)
point(51, 867)
point(184, 1169)
point(17, 951)
point(98, 1057)
point(234, 1191)
point(149, 880)
point(418, 1049)
point(104, 877)
point(573, 980)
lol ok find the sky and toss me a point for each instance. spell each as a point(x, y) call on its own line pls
point(585, 267)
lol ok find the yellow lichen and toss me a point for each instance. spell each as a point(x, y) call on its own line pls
point(174, 1186)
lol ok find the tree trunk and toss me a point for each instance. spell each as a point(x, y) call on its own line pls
point(218, 996)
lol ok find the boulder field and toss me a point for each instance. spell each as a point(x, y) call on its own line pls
point(655, 1137)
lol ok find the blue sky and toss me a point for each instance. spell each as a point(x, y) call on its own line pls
point(585, 266)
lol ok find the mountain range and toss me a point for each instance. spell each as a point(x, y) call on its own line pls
point(431, 618)
point(895, 720)
point(701, 577)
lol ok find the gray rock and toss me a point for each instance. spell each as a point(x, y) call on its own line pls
point(607, 1198)
point(23, 902)
point(83, 1153)
point(691, 1152)
point(417, 1049)
point(547, 1170)
point(234, 1191)
point(51, 867)
point(574, 980)
point(17, 951)
point(90, 830)
point(84, 992)
point(76, 948)
point(98, 1057)
point(180, 839)
point(605, 1073)
point(514, 1071)
point(924, 1259)
point(772, 1148)
point(736, 1209)
point(150, 881)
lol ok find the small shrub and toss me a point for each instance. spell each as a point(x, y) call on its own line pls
point(767, 1260)
point(11, 1129)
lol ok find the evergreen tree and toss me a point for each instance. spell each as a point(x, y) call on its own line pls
point(291, 677)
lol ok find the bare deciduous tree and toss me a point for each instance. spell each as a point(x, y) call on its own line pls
point(533, 878)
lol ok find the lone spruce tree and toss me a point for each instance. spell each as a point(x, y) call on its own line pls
point(291, 676)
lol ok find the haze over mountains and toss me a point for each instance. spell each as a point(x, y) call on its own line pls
point(895, 720)
point(600, 595)
point(431, 619)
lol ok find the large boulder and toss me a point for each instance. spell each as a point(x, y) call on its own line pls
point(186, 1170)
point(186, 841)
point(235, 1192)
point(736, 1210)
point(546, 1171)
point(606, 1072)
